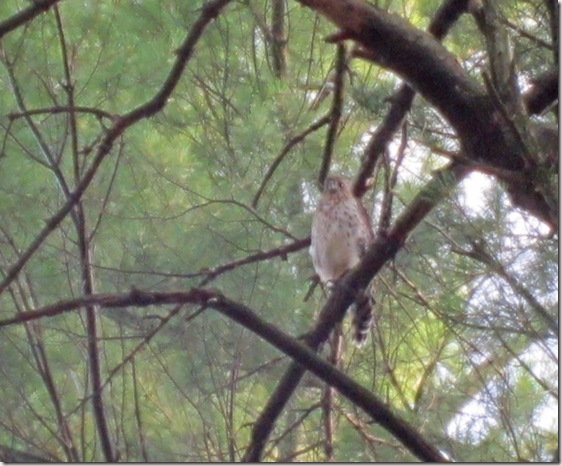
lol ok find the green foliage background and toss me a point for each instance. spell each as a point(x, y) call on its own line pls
point(457, 351)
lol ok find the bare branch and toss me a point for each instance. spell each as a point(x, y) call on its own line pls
point(272, 253)
point(59, 109)
point(301, 353)
point(447, 14)
point(36, 8)
point(293, 142)
point(433, 71)
point(122, 123)
point(382, 250)
point(335, 114)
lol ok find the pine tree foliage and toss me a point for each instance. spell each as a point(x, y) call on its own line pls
point(159, 164)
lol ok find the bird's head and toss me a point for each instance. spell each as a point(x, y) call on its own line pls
point(335, 184)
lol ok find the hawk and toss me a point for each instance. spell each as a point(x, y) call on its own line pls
point(341, 233)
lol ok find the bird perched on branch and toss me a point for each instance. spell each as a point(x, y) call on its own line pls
point(341, 233)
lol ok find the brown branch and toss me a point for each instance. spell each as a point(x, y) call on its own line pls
point(133, 298)
point(212, 273)
point(20, 18)
point(412, 54)
point(34, 335)
point(383, 249)
point(85, 253)
point(401, 104)
point(293, 142)
point(335, 113)
point(301, 353)
point(329, 395)
point(11, 455)
point(554, 16)
point(100, 114)
point(279, 38)
point(485, 134)
point(122, 123)
point(543, 92)
point(391, 177)
point(306, 357)
point(447, 15)
point(138, 417)
point(361, 429)
point(260, 256)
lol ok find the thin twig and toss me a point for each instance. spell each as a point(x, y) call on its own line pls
point(335, 113)
point(120, 125)
point(100, 114)
point(292, 143)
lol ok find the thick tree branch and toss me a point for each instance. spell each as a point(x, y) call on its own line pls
point(382, 250)
point(301, 353)
point(36, 8)
point(484, 131)
point(543, 92)
point(425, 64)
point(447, 14)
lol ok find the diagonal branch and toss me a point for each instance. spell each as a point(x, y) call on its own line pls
point(301, 353)
point(335, 113)
point(120, 125)
point(20, 18)
point(429, 68)
point(442, 182)
point(292, 143)
point(447, 14)
point(382, 250)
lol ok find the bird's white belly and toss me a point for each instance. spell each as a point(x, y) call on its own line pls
point(338, 254)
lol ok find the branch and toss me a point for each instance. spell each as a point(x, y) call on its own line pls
point(479, 253)
point(447, 14)
point(85, 253)
point(445, 17)
point(301, 353)
point(260, 256)
point(293, 142)
point(329, 374)
point(543, 92)
point(335, 114)
point(412, 54)
point(430, 69)
point(11, 455)
point(401, 103)
point(100, 114)
point(36, 8)
point(381, 251)
point(121, 124)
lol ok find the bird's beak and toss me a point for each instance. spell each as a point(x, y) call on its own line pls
point(331, 186)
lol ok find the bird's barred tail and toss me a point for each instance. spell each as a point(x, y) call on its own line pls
point(362, 317)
